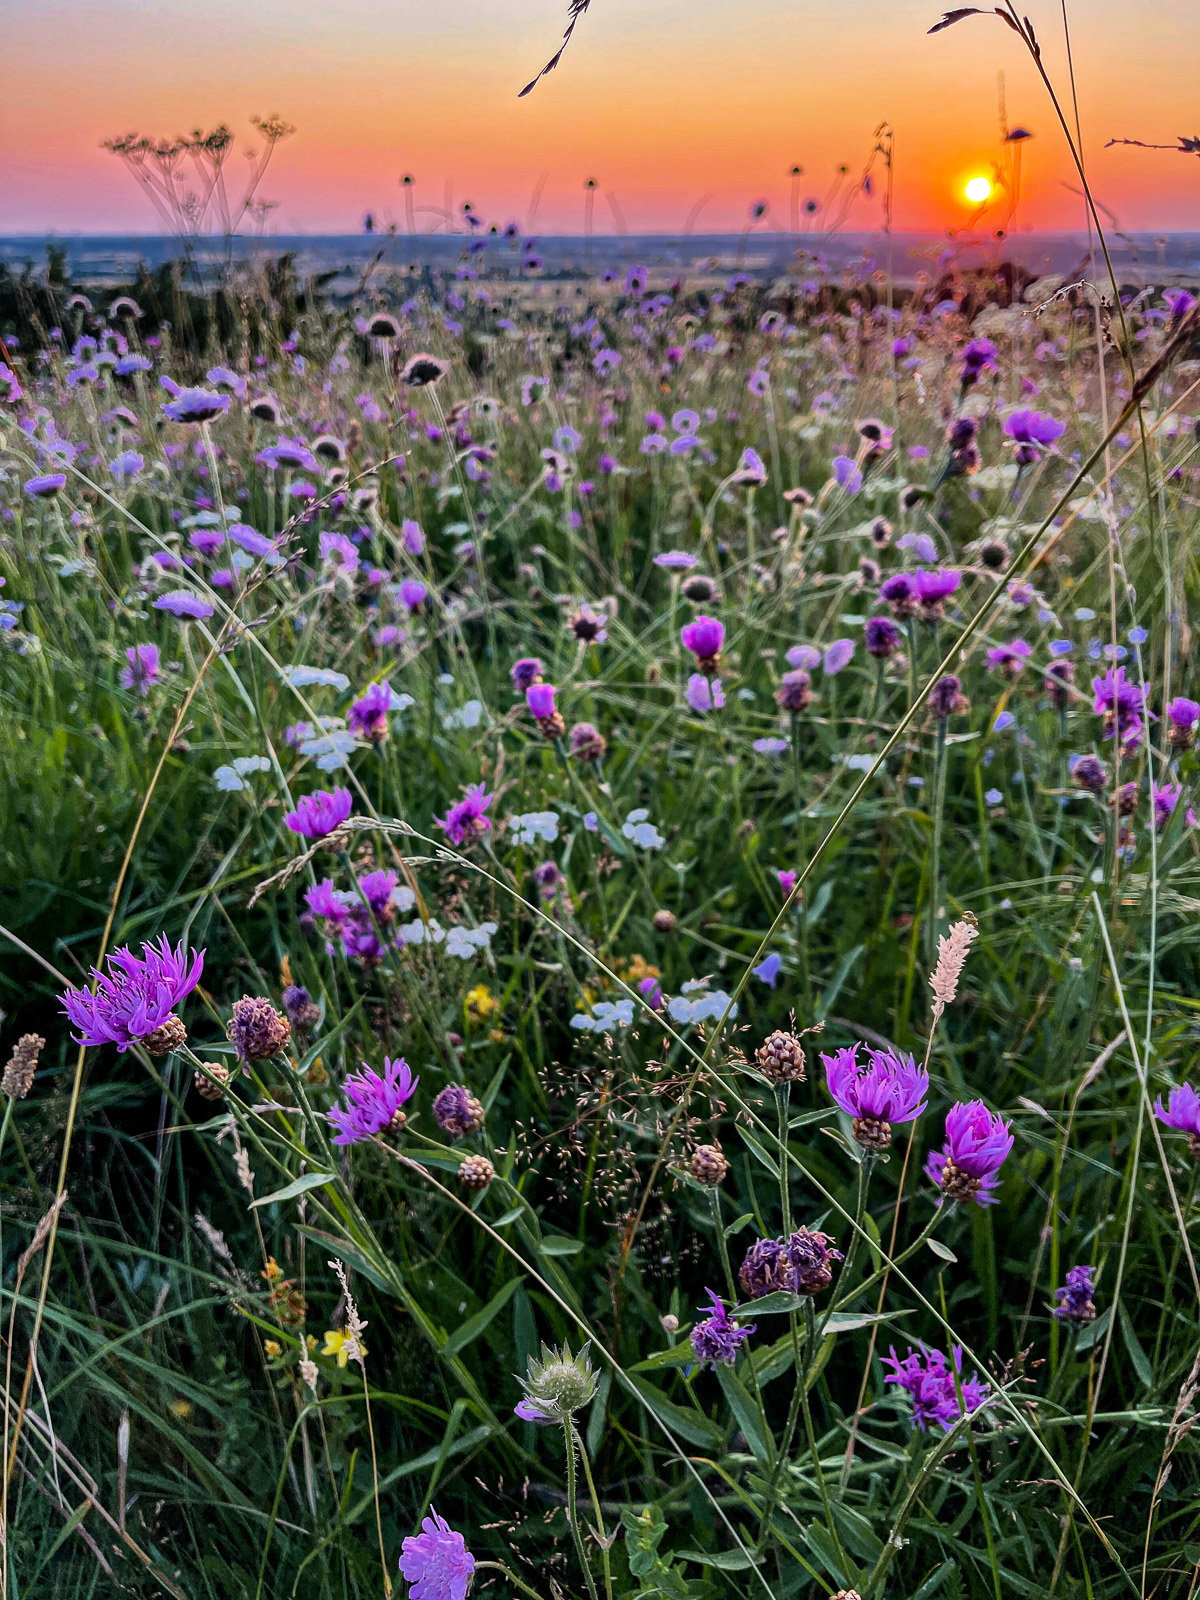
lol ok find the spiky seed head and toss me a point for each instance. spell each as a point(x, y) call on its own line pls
point(560, 1383)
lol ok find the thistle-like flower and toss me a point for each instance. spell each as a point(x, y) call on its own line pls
point(256, 1029)
point(799, 1264)
point(1182, 1112)
point(977, 1145)
point(457, 1111)
point(1073, 1301)
point(704, 638)
point(135, 999)
point(930, 1384)
point(320, 814)
point(780, 1058)
point(374, 1103)
point(889, 1088)
point(718, 1338)
point(466, 819)
point(556, 1386)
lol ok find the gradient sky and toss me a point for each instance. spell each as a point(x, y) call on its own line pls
point(662, 101)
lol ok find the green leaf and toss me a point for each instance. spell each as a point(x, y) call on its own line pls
point(676, 1355)
point(744, 1409)
point(310, 1180)
point(847, 1321)
point(474, 1326)
point(350, 1254)
point(770, 1304)
point(557, 1244)
point(1086, 1337)
point(686, 1421)
point(942, 1251)
point(838, 979)
point(595, 1427)
point(1141, 1361)
point(739, 1224)
point(753, 1145)
point(723, 1560)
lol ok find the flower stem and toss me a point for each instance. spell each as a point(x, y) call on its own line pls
point(572, 1508)
point(600, 1528)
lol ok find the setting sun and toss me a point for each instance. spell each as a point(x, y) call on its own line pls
point(977, 190)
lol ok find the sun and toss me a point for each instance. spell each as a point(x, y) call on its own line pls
point(977, 190)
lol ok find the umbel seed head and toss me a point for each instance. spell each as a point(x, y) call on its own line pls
point(476, 1172)
point(780, 1058)
point(709, 1166)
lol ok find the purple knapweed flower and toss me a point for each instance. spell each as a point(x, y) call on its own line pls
point(369, 715)
point(900, 592)
point(143, 668)
point(1121, 704)
point(889, 1088)
point(1163, 798)
point(930, 1384)
point(946, 698)
point(320, 814)
point(1182, 1112)
point(465, 819)
point(704, 694)
point(414, 593)
point(457, 1111)
point(539, 697)
point(977, 1145)
point(373, 1102)
point(1182, 716)
point(1031, 431)
point(839, 654)
point(799, 1264)
point(934, 589)
point(436, 1563)
point(882, 637)
point(134, 1000)
point(787, 880)
point(196, 405)
point(528, 670)
point(1009, 659)
point(704, 637)
point(978, 357)
point(718, 1338)
point(1073, 1301)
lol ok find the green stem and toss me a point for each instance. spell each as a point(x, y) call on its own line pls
point(498, 1566)
point(600, 1528)
point(572, 1506)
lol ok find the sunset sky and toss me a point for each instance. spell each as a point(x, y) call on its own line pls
point(663, 103)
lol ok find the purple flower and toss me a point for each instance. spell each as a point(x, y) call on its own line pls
point(1164, 800)
point(882, 637)
point(838, 655)
point(900, 592)
point(718, 1338)
point(1073, 1300)
point(1009, 659)
point(787, 881)
point(528, 670)
point(288, 453)
point(457, 1111)
point(930, 1385)
point(704, 638)
point(414, 539)
point(414, 593)
point(320, 814)
point(933, 590)
point(847, 473)
point(768, 971)
point(1183, 1113)
point(704, 694)
point(325, 902)
point(377, 890)
point(136, 997)
point(675, 560)
point(1182, 717)
point(250, 540)
point(977, 1145)
point(794, 693)
point(126, 465)
point(804, 657)
point(539, 697)
point(1031, 430)
point(889, 1088)
point(143, 669)
point(183, 604)
point(373, 1102)
point(436, 1563)
point(978, 357)
point(751, 470)
point(196, 405)
point(529, 1411)
point(799, 1264)
point(47, 486)
point(368, 715)
point(465, 819)
point(1121, 704)
point(946, 698)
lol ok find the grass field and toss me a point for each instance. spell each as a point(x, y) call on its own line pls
point(617, 622)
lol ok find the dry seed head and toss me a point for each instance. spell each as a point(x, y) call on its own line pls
point(22, 1064)
point(780, 1058)
point(168, 1036)
point(953, 948)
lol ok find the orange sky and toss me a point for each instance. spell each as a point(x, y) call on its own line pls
point(663, 103)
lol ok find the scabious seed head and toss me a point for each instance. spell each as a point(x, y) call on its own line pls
point(558, 1384)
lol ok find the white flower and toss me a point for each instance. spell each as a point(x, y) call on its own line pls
point(302, 677)
point(534, 825)
point(403, 897)
point(330, 750)
point(642, 833)
point(229, 778)
point(606, 1015)
point(704, 1006)
point(464, 942)
point(415, 932)
point(467, 716)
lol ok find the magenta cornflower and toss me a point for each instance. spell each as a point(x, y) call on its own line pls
point(465, 819)
point(436, 1563)
point(1121, 704)
point(929, 1383)
point(977, 1145)
point(787, 880)
point(1182, 716)
point(374, 1102)
point(1032, 431)
point(1009, 659)
point(528, 670)
point(1182, 1112)
point(134, 1000)
point(143, 668)
point(934, 589)
point(888, 1088)
point(320, 814)
point(539, 697)
point(1073, 1300)
point(369, 714)
point(718, 1338)
point(704, 637)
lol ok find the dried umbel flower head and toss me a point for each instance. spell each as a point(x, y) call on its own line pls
point(22, 1064)
point(663, 921)
point(953, 948)
point(780, 1058)
point(476, 1172)
point(205, 1086)
point(257, 1030)
point(457, 1111)
point(709, 1165)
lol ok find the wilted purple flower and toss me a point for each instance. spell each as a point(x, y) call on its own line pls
point(373, 1102)
point(718, 1338)
point(457, 1111)
point(528, 670)
point(930, 1384)
point(978, 357)
point(1182, 717)
point(256, 1030)
point(320, 814)
point(143, 669)
point(838, 655)
point(135, 998)
point(704, 694)
point(1090, 773)
point(704, 637)
point(196, 405)
point(1183, 1113)
point(1031, 430)
point(436, 1563)
point(1164, 798)
point(183, 604)
point(1059, 676)
point(946, 698)
point(1073, 1301)
point(799, 1264)
point(889, 1088)
point(586, 742)
point(466, 818)
point(977, 1145)
point(794, 693)
point(882, 637)
point(1121, 704)
point(900, 592)
point(1009, 659)
point(302, 1011)
point(369, 715)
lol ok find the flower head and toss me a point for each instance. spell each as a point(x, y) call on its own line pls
point(196, 405)
point(889, 1088)
point(143, 669)
point(1031, 431)
point(1073, 1301)
point(1182, 717)
point(528, 670)
point(977, 1145)
point(466, 819)
point(704, 694)
point(134, 1000)
point(373, 1102)
point(930, 1384)
point(799, 1264)
point(1182, 1112)
point(718, 1338)
point(1121, 704)
point(557, 1385)
point(369, 714)
point(704, 637)
point(946, 698)
point(257, 1030)
point(47, 486)
point(436, 1563)
point(457, 1111)
point(320, 814)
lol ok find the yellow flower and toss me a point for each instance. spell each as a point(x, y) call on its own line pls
point(272, 1270)
point(341, 1345)
point(272, 1348)
point(181, 1409)
point(480, 1003)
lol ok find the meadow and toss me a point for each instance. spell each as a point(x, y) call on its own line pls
point(598, 912)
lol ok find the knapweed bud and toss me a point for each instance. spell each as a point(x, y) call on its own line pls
point(946, 698)
point(586, 742)
point(203, 1081)
point(22, 1064)
point(1058, 679)
point(882, 637)
point(169, 1035)
point(539, 697)
point(457, 1111)
point(257, 1030)
point(663, 921)
point(302, 1013)
point(1126, 799)
point(780, 1058)
point(795, 691)
point(476, 1172)
point(670, 1323)
point(1090, 774)
point(709, 1165)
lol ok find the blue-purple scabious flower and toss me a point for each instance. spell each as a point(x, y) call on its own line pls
point(1073, 1300)
point(718, 1338)
point(143, 668)
point(977, 1145)
point(436, 1563)
point(889, 1088)
point(134, 1001)
point(704, 637)
point(374, 1102)
point(196, 405)
point(466, 819)
point(47, 486)
point(526, 672)
point(1182, 1112)
point(800, 1264)
point(927, 1379)
point(1031, 432)
point(320, 814)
